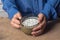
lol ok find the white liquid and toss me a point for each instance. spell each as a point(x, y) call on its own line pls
point(30, 22)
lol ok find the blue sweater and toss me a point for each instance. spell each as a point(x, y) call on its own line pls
point(47, 7)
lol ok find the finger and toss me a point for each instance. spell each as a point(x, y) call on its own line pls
point(15, 25)
point(16, 21)
point(37, 33)
point(40, 18)
point(40, 26)
point(37, 28)
point(17, 16)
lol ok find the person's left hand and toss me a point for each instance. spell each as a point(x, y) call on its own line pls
point(40, 28)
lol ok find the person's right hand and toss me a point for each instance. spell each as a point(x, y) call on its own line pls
point(15, 22)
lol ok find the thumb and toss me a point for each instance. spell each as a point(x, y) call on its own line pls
point(19, 15)
point(40, 17)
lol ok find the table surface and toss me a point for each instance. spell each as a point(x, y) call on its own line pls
point(7, 32)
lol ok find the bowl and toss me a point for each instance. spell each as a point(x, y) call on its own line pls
point(28, 23)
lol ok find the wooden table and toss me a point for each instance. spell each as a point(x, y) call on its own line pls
point(9, 33)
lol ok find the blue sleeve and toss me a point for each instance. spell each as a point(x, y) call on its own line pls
point(10, 7)
point(48, 6)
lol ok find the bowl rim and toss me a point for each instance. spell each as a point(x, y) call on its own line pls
point(28, 17)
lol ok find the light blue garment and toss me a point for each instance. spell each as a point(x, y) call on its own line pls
point(25, 7)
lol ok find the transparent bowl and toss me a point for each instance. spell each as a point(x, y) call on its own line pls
point(28, 29)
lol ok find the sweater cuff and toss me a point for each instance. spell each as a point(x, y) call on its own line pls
point(11, 12)
point(46, 11)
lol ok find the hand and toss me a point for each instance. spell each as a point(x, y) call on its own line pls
point(15, 22)
point(40, 28)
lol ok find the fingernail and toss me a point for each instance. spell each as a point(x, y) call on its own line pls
point(32, 33)
point(19, 17)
